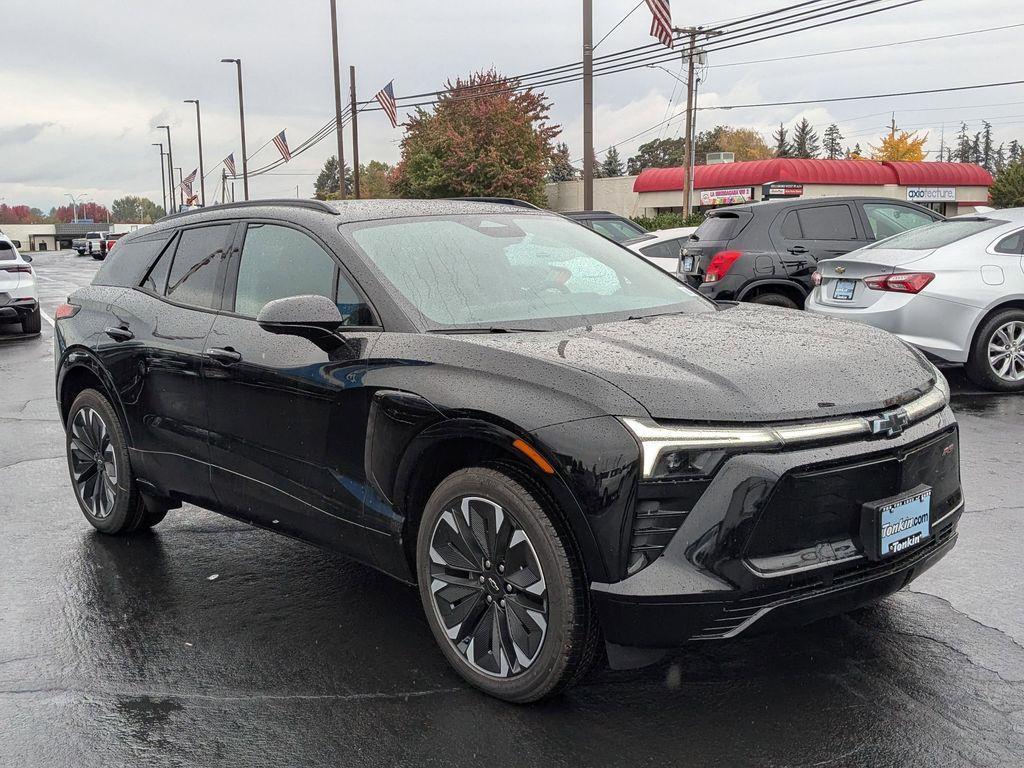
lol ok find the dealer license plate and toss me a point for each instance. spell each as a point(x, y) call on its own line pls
point(843, 290)
point(898, 524)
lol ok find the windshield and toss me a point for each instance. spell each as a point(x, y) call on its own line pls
point(515, 271)
point(932, 236)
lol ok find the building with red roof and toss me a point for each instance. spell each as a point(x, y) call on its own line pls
point(950, 188)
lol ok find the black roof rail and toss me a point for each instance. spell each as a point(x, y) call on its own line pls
point(290, 202)
point(500, 200)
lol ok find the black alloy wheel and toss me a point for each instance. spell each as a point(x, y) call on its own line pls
point(502, 586)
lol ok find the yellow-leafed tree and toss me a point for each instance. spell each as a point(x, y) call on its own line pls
point(900, 145)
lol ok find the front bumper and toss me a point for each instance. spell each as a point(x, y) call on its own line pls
point(729, 569)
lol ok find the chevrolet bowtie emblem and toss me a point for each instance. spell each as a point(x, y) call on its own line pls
point(840, 270)
point(889, 424)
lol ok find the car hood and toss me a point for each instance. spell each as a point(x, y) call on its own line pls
point(740, 363)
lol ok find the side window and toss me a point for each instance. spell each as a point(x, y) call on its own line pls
point(616, 230)
point(156, 280)
point(886, 220)
point(278, 262)
point(791, 227)
point(1011, 243)
point(827, 222)
point(669, 249)
point(192, 278)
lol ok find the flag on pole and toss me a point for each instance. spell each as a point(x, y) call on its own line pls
point(186, 183)
point(229, 163)
point(386, 98)
point(282, 146)
point(661, 22)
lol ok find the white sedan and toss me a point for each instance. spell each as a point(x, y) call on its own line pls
point(19, 301)
point(662, 247)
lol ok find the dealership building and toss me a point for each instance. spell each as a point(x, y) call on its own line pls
point(949, 188)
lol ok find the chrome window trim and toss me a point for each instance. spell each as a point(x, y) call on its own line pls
point(655, 440)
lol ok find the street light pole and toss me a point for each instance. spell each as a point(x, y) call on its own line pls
point(181, 185)
point(163, 180)
point(170, 166)
point(199, 131)
point(355, 131)
point(337, 98)
point(74, 205)
point(588, 105)
point(241, 121)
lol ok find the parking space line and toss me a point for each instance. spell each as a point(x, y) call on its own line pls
point(46, 317)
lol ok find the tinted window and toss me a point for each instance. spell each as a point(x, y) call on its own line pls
point(197, 258)
point(508, 268)
point(722, 226)
point(156, 280)
point(827, 222)
point(6, 251)
point(791, 227)
point(278, 262)
point(131, 260)
point(1012, 243)
point(615, 229)
point(666, 249)
point(936, 235)
point(887, 220)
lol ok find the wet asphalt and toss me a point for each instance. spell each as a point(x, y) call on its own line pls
point(210, 643)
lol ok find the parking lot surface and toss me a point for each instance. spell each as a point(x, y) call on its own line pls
point(210, 643)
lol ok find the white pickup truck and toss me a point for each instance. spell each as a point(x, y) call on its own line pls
point(94, 243)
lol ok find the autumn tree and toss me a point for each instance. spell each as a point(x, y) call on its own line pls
point(89, 211)
point(375, 180)
point(17, 214)
point(612, 164)
point(561, 167)
point(782, 146)
point(805, 140)
point(900, 145)
point(744, 143)
point(327, 186)
point(856, 153)
point(1007, 190)
point(657, 153)
point(832, 142)
point(483, 138)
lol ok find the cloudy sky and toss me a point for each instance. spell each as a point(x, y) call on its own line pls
point(84, 84)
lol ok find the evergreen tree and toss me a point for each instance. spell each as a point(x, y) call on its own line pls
point(326, 186)
point(805, 141)
point(612, 165)
point(1014, 153)
point(782, 146)
point(856, 153)
point(1007, 190)
point(999, 159)
point(974, 151)
point(963, 145)
point(832, 143)
point(987, 156)
point(561, 167)
point(598, 168)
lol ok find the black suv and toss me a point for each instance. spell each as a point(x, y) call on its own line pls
point(766, 252)
point(558, 442)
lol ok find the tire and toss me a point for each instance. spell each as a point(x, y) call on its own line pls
point(107, 495)
point(33, 323)
point(476, 588)
point(1004, 329)
point(99, 256)
point(775, 300)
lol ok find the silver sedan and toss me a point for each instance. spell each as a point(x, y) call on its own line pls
point(953, 289)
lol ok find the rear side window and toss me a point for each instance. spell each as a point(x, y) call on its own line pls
point(1012, 243)
point(721, 226)
point(666, 249)
point(618, 231)
point(936, 235)
point(887, 220)
point(6, 251)
point(125, 266)
point(827, 222)
point(192, 278)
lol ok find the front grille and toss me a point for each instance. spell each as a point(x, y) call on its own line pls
point(661, 508)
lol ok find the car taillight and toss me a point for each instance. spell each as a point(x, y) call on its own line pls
point(900, 282)
point(18, 268)
point(66, 310)
point(720, 264)
point(816, 278)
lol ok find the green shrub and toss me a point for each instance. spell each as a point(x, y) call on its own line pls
point(669, 221)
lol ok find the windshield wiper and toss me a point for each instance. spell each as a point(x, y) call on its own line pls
point(491, 329)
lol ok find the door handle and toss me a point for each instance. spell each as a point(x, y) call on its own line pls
point(223, 355)
point(119, 334)
point(797, 249)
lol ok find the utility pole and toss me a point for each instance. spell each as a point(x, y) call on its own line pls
point(163, 182)
point(690, 147)
point(588, 105)
point(241, 121)
point(355, 130)
point(170, 167)
point(199, 131)
point(337, 98)
point(223, 186)
point(181, 185)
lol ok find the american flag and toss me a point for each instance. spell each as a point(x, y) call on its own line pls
point(186, 183)
point(661, 22)
point(282, 146)
point(229, 163)
point(386, 98)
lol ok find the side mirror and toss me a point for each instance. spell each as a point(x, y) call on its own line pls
point(309, 316)
point(26, 258)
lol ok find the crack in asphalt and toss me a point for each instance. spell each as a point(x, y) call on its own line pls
point(128, 693)
point(29, 461)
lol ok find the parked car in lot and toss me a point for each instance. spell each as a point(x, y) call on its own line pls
point(95, 243)
point(106, 245)
point(80, 244)
point(19, 299)
point(766, 252)
point(663, 247)
point(557, 442)
point(611, 225)
point(953, 289)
